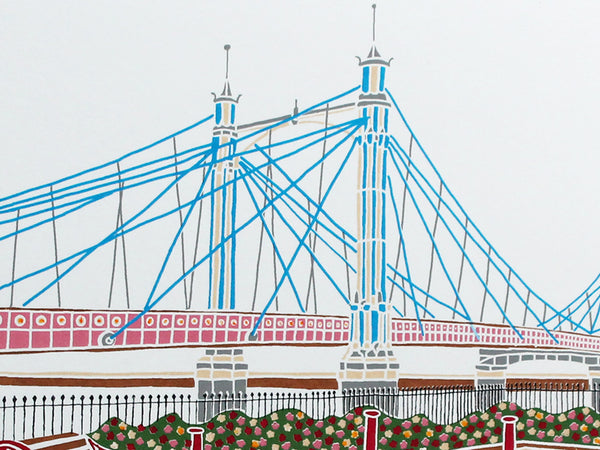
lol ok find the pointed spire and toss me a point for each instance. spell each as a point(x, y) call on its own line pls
point(226, 88)
point(374, 53)
point(374, 6)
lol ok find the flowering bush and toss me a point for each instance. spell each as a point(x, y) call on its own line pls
point(292, 429)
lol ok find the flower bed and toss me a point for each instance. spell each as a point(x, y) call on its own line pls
point(292, 429)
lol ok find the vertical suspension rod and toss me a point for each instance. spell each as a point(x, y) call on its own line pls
point(55, 246)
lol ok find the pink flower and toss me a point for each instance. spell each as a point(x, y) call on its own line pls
point(589, 419)
point(471, 442)
point(257, 431)
point(340, 433)
point(361, 429)
point(529, 422)
point(105, 428)
point(173, 443)
point(424, 421)
point(512, 406)
point(352, 447)
point(383, 441)
point(574, 426)
point(207, 447)
point(387, 421)
point(262, 442)
point(241, 420)
point(457, 430)
point(335, 446)
point(121, 436)
point(541, 434)
point(571, 414)
point(289, 416)
point(240, 443)
point(306, 431)
point(586, 439)
point(168, 429)
point(220, 430)
point(139, 441)
point(319, 424)
point(349, 416)
point(473, 418)
point(225, 447)
point(498, 415)
point(275, 425)
point(558, 438)
point(443, 437)
point(549, 418)
point(425, 442)
point(487, 433)
point(317, 444)
point(403, 445)
point(286, 445)
point(406, 424)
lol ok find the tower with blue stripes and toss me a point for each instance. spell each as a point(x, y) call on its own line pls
point(370, 346)
point(225, 168)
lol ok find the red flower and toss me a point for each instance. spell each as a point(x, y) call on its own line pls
point(188, 443)
point(382, 427)
point(493, 409)
point(576, 436)
point(416, 429)
point(594, 432)
point(130, 446)
point(414, 443)
point(230, 439)
point(358, 412)
point(521, 434)
point(299, 425)
point(264, 423)
point(483, 439)
point(163, 439)
point(350, 426)
point(519, 413)
point(328, 440)
point(233, 415)
point(542, 425)
point(229, 426)
point(309, 422)
point(219, 443)
point(171, 418)
point(470, 429)
point(435, 443)
point(141, 427)
point(248, 430)
point(281, 437)
point(114, 421)
point(297, 437)
point(209, 425)
point(497, 430)
point(454, 438)
point(558, 427)
point(580, 416)
point(393, 444)
point(359, 441)
point(480, 424)
point(458, 444)
point(110, 435)
point(318, 433)
point(331, 420)
point(397, 430)
point(439, 428)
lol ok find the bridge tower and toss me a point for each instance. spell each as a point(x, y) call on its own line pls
point(369, 360)
point(223, 369)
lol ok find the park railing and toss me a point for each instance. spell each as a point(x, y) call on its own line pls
point(36, 416)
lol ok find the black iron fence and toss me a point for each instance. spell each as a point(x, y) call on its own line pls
point(35, 416)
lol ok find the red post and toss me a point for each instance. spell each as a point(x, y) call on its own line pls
point(510, 433)
point(196, 433)
point(371, 429)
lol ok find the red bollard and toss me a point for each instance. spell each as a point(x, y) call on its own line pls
point(196, 433)
point(371, 429)
point(510, 432)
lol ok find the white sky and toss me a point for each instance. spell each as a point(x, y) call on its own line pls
point(502, 94)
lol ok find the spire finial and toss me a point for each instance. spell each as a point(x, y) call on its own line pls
point(374, 6)
point(227, 47)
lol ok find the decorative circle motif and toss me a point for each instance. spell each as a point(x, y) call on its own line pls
point(234, 322)
point(149, 321)
point(41, 320)
point(280, 323)
point(268, 322)
point(180, 321)
point(194, 321)
point(301, 322)
point(165, 321)
point(116, 321)
point(346, 325)
point(20, 320)
point(291, 323)
point(327, 324)
point(61, 320)
point(246, 322)
point(310, 323)
point(221, 322)
point(99, 321)
point(80, 321)
point(208, 321)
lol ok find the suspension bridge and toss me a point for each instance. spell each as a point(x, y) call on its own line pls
point(327, 226)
